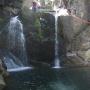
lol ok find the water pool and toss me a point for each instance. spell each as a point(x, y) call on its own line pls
point(50, 79)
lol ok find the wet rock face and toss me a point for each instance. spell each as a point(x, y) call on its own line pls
point(40, 37)
point(76, 32)
point(39, 33)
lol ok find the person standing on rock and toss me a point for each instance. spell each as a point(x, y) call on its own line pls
point(34, 6)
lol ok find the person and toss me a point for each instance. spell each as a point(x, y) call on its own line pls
point(34, 6)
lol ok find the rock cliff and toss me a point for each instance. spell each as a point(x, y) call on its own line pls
point(76, 29)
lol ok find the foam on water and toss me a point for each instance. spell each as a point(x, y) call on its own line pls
point(57, 67)
point(19, 69)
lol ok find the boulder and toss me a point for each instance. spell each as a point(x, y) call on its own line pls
point(2, 82)
point(3, 74)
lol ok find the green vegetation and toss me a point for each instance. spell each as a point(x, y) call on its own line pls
point(38, 28)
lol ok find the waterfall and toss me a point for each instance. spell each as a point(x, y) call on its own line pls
point(57, 60)
point(16, 39)
point(58, 12)
point(16, 45)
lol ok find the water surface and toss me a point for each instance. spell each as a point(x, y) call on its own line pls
point(50, 79)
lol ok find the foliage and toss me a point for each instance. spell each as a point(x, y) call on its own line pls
point(38, 28)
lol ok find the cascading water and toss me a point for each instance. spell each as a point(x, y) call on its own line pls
point(57, 60)
point(16, 45)
point(58, 12)
point(16, 40)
